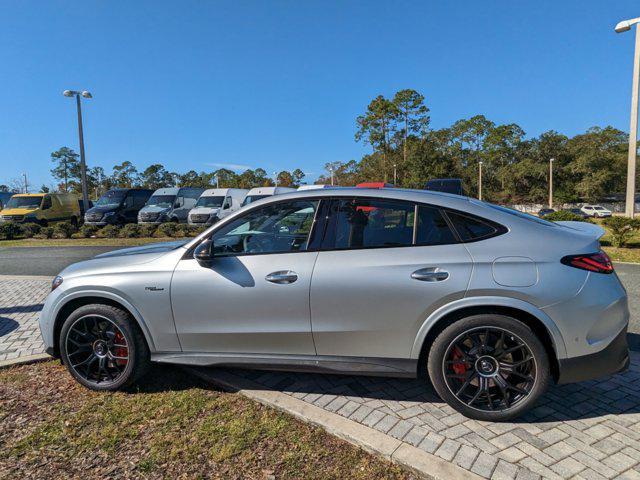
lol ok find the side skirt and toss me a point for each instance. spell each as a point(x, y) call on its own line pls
point(384, 367)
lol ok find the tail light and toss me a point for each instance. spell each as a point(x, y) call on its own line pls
point(593, 262)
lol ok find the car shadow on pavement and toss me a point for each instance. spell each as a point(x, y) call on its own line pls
point(36, 307)
point(7, 325)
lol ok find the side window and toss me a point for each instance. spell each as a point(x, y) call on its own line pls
point(367, 223)
point(46, 202)
point(433, 229)
point(471, 228)
point(277, 228)
point(129, 201)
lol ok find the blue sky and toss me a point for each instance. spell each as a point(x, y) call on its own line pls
point(278, 84)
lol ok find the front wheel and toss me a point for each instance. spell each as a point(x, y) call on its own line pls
point(102, 347)
point(489, 367)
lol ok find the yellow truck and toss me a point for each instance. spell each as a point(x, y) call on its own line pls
point(42, 208)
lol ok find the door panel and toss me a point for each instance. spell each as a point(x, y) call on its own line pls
point(231, 307)
point(366, 303)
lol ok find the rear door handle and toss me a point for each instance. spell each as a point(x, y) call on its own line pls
point(282, 277)
point(431, 274)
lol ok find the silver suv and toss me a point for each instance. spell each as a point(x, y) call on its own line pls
point(490, 304)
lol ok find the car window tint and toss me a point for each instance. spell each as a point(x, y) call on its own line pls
point(362, 223)
point(433, 229)
point(276, 228)
point(471, 228)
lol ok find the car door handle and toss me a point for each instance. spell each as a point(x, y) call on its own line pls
point(282, 277)
point(431, 274)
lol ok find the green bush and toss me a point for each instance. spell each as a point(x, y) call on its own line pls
point(621, 229)
point(147, 229)
point(565, 216)
point(10, 230)
point(30, 229)
point(130, 230)
point(87, 231)
point(63, 230)
point(192, 230)
point(168, 229)
point(110, 231)
point(45, 232)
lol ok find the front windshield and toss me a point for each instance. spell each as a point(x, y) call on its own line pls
point(253, 198)
point(110, 199)
point(160, 201)
point(24, 202)
point(210, 202)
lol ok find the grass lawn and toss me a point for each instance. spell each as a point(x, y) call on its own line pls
point(170, 425)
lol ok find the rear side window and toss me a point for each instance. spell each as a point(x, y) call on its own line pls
point(368, 223)
point(433, 228)
point(471, 228)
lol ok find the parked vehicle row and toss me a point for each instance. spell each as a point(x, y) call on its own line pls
point(586, 211)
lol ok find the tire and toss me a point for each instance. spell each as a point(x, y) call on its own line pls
point(74, 222)
point(476, 375)
point(94, 341)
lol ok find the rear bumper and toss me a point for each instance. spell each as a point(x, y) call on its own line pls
point(614, 358)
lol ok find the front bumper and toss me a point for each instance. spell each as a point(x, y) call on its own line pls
point(614, 358)
point(97, 224)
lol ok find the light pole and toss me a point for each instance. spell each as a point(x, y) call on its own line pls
point(479, 180)
point(633, 129)
point(331, 171)
point(83, 164)
point(395, 174)
point(275, 175)
point(551, 182)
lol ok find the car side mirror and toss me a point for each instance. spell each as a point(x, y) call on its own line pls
point(176, 204)
point(226, 206)
point(204, 253)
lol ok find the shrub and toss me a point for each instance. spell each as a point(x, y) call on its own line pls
point(147, 230)
point(30, 229)
point(193, 230)
point(168, 229)
point(130, 230)
point(10, 230)
point(110, 231)
point(565, 216)
point(87, 231)
point(621, 229)
point(45, 232)
point(63, 230)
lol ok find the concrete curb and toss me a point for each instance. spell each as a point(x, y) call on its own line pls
point(420, 462)
point(26, 277)
point(40, 357)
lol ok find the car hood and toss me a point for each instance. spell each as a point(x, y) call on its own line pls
point(154, 209)
point(122, 259)
point(104, 209)
point(204, 210)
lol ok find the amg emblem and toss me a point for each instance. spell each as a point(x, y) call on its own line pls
point(154, 289)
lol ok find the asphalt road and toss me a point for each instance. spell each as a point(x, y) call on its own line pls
point(50, 261)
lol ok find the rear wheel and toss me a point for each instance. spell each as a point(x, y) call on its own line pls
point(489, 367)
point(102, 347)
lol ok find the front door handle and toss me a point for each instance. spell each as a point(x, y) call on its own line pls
point(431, 274)
point(283, 277)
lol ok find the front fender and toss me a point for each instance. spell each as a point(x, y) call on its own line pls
point(490, 301)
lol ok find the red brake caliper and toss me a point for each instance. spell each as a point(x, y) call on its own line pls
point(120, 351)
point(460, 368)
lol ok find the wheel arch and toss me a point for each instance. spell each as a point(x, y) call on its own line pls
point(79, 300)
point(537, 321)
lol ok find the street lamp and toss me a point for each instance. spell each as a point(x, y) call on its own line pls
point(395, 175)
point(331, 170)
point(83, 164)
point(633, 129)
point(551, 182)
point(479, 180)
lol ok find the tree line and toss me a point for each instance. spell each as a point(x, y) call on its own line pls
point(587, 167)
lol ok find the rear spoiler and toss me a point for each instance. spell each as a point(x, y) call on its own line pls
point(584, 228)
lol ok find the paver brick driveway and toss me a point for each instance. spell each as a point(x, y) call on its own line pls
point(589, 430)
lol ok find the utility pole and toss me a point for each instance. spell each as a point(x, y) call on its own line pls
point(275, 175)
point(83, 164)
point(26, 184)
point(479, 180)
point(551, 182)
point(395, 174)
point(217, 181)
point(331, 171)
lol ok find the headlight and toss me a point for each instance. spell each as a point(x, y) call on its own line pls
point(57, 281)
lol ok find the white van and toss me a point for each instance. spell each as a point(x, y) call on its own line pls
point(215, 204)
point(263, 192)
point(318, 186)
